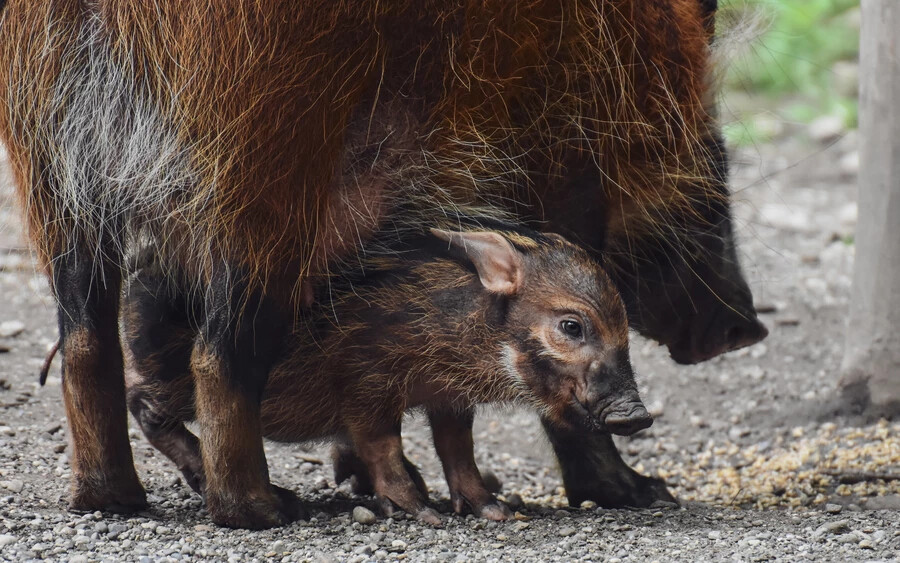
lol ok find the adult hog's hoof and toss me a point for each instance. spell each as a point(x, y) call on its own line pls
point(592, 469)
point(257, 512)
point(124, 496)
point(637, 491)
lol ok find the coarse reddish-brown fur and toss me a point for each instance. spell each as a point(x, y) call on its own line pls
point(260, 143)
point(280, 106)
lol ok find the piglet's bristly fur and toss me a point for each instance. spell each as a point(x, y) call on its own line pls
point(444, 321)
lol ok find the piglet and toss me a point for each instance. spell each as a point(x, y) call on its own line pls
point(442, 321)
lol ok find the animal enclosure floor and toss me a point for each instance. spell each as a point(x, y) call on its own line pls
point(735, 437)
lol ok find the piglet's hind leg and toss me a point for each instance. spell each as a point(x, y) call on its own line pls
point(381, 449)
point(453, 441)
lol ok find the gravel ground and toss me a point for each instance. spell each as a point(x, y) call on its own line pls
point(736, 438)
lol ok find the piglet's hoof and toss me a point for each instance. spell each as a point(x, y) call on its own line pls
point(422, 513)
point(348, 465)
point(482, 504)
point(496, 511)
point(257, 512)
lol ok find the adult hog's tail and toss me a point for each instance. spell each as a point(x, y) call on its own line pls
point(45, 368)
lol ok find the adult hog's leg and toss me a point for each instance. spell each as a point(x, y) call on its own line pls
point(380, 447)
point(230, 365)
point(348, 465)
point(452, 433)
point(593, 470)
point(103, 475)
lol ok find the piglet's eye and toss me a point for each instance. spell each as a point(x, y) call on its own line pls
point(570, 328)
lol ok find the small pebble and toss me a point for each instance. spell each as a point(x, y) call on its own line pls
point(836, 527)
point(7, 539)
point(566, 531)
point(14, 485)
point(363, 515)
point(8, 329)
point(833, 508)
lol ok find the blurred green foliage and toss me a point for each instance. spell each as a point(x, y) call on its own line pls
point(803, 57)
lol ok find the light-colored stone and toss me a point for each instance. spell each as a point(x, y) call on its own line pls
point(14, 485)
point(9, 329)
point(363, 515)
point(836, 527)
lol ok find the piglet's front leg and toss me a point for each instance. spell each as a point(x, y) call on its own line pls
point(452, 433)
point(379, 446)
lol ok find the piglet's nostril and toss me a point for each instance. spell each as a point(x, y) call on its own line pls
point(627, 423)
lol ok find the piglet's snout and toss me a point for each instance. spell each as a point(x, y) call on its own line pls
point(627, 417)
point(609, 393)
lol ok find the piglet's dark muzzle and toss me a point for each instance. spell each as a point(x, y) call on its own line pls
point(624, 419)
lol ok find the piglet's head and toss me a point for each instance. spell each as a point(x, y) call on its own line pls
point(564, 335)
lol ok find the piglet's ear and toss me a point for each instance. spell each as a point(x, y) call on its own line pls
point(499, 265)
